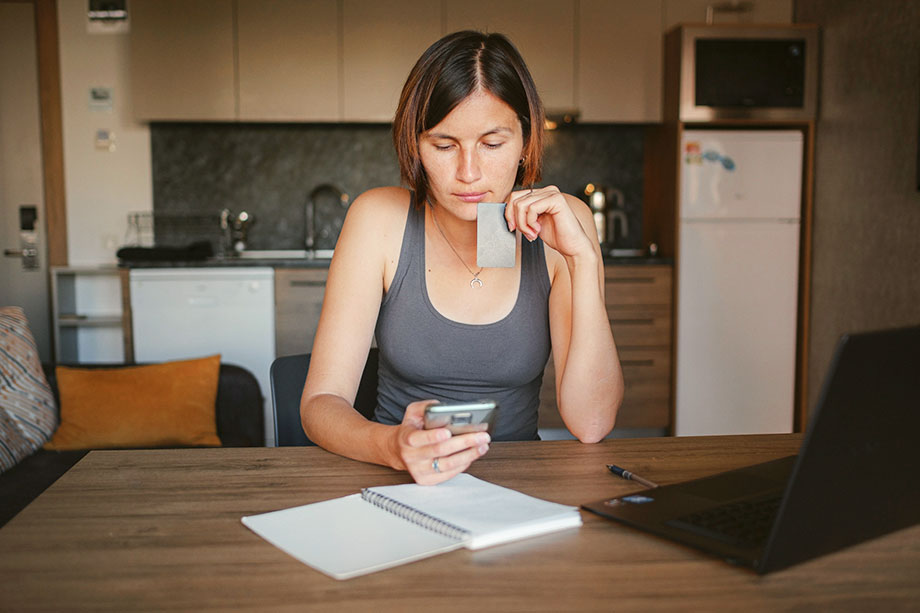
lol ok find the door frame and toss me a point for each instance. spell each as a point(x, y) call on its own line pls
point(52, 129)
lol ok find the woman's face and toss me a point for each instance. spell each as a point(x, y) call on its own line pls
point(472, 155)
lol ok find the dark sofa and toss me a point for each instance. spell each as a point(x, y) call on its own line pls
point(240, 423)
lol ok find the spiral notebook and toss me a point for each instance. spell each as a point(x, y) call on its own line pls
point(391, 525)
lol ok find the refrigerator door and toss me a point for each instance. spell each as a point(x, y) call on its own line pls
point(741, 174)
point(736, 327)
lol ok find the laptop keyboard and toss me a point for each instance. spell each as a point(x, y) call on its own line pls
point(744, 523)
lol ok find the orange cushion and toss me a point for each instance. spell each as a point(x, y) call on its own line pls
point(162, 405)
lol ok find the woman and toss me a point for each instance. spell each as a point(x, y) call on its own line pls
point(468, 129)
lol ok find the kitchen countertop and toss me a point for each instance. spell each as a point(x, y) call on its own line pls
point(232, 262)
point(324, 263)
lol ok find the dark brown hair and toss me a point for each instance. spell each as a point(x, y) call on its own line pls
point(446, 74)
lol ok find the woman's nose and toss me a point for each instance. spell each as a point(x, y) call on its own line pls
point(468, 167)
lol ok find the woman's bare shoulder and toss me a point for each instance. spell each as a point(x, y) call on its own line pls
point(580, 209)
point(381, 204)
point(376, 220)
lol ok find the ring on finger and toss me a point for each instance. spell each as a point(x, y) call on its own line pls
point(434, 465)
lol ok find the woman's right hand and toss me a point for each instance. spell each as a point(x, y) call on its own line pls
point(419, 448)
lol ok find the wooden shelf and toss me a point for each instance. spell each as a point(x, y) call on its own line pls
point(89, 320)
point(88, 317)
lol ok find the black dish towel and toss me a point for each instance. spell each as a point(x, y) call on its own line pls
point(200, 250)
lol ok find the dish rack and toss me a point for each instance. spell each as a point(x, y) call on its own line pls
point(149, 229)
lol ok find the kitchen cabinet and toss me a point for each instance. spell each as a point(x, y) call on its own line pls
point(288, 60)
point(542, 30)
point(346, 60)
point(619, 60)
point(638, 300)
point(694, 11)
point(639, 308)
point(182, 60)
point(298, 302)
point(381, 41)
point(89, 315)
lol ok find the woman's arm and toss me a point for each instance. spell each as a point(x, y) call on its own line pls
point(365, 258)
point(351, 300)
point(589, 380)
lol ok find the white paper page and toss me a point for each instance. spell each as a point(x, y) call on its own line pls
point(347, 537)
point(491, 513)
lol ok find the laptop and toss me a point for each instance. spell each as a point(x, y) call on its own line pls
point(855, 477)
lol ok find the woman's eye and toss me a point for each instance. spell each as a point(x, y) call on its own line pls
point(443, 147)
point(493, 145)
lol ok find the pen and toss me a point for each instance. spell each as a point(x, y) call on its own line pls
point(622, 472)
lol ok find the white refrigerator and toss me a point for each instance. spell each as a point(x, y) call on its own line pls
point(737, 281)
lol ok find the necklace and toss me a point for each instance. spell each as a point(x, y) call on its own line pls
point(475, 282)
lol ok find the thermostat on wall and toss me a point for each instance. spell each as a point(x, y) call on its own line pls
point(107, 17)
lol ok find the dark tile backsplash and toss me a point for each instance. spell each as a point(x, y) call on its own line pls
point(269, 170)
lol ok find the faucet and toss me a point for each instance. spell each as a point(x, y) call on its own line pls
point(309, 222)
point(309, 225)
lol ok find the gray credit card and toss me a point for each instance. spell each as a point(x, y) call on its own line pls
point(495, 244)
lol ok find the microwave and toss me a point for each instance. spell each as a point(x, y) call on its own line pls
point(741, 72)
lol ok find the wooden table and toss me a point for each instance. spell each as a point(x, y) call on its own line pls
point(154, 530)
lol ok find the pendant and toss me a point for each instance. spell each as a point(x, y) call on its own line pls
point(476, 282)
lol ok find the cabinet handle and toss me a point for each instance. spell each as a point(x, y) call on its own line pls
point(637, 321)
point(630, 279)
point(637, 362)
point(306, 283)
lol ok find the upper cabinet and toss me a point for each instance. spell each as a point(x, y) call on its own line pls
point(619, 60)
point(288, 60)
point(542, 30)
point(381, 41)
point(182, 60)
point(347, 60)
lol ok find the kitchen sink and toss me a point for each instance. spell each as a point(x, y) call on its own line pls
point(628, 253)
point(287, 254)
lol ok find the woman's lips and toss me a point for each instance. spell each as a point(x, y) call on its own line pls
point(471, 196)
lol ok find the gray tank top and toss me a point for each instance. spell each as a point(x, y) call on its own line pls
point(425, 355)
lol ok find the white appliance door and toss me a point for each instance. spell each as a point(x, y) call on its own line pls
point(190, 313)
point(741, 174)
point(736, 328)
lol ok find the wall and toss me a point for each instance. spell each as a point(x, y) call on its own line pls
point(866, 267)
point(21, 169)
point(102, 187)
point(269, 170)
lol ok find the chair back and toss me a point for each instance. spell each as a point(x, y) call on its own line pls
point(288, 375)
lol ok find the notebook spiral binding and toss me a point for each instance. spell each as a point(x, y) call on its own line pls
point(414, 515)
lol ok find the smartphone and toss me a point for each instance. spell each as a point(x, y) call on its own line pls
point(463, 417)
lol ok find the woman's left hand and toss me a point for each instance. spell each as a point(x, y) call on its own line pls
point(546, 213)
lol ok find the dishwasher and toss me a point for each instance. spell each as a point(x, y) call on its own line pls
point(181, 313)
